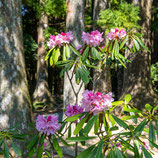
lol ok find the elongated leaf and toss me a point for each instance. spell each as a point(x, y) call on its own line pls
point(111, 154)
point(136, 152)
point(40, 147)
point(80, 125)
point(131, 110)
point(124, 42)
point(81, 134)
point(93, 152)
point(136, 44)
point(33, 142)
point(16, 149)
point(68, 52)
point(90, 124)
point(129, 117)
point(56, 55)
point(83, 75)
point(86, 153)
point(140, 127)
point(96, 125)
point(75, 51)
point(62, 127)
point(74, 118)
point(127, 98)
point(6, 150)
point(118, 153)
point(146, 153)
point(114, 128)
point(95, 53)
point(151, 134)
point(57, 147)
point(47, 56)
point(85, 54)
point(129, 146)
point(51, 60)
point(148, 107)
point(69, 131)
point(117, 102)
point(99, 150)
point(1, 141)
point(116, 48)
point(79, 139)
point(122, 62)
point(120, 122)
point(63, 141)
point(157, 127)
point(64, 53)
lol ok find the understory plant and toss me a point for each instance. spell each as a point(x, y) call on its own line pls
point(95, 116)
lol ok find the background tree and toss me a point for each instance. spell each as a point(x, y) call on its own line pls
point(14, 95)
point(137, 78)
point(75, 23)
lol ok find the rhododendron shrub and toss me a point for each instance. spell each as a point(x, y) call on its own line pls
point(95, 113)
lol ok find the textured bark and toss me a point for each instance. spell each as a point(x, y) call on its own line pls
point(75, 23)
point(101, 77)
point(42, 93)
point(137, 79)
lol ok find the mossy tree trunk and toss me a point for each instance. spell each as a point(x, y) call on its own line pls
point(14, 95)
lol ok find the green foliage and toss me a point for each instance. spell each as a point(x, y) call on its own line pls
point(123, 15)
point(154, 75)
point(7, 138)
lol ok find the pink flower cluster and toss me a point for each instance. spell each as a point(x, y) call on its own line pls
point(73, 110)
point(116, 34)
point(92, 39)
point(47, 125)
point(96, 102)
point(60, 39)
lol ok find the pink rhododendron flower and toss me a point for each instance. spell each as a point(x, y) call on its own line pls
point(103, 47)
point(92, 39)
point(116, 34)
point(73, 110)
point(47, 125)
point(60, 39)
point(96, 102)
point(79, 49)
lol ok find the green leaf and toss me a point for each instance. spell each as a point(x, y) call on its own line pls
point(136, 44)
point(95, 53)
point(127, 98)
point(51, 60)
point(33, 142)
point(83, 75)
point(85, 54)
point(79, 139)
point(129, 146)
point(90, 124)
point(120, 122)
point(140, 127)
point(68, 52)
point(81, 134)
point(117, 102)
point(6, 150)
point(111, 120)
point(116, 49)
point(16, 149)
point(62, 127)
point(93, 152)
point(64, 53)
point(118, 153)
point(148, 107)
point(156, 127)
point(121, 62)
point(131, 110)
point(99, 150)
point(47, 56)
point(57, 147)
point(56, 55)
point(129, 117)
point(114, 128)
point(75, 117)
point(86, 153)
point(96, 125)
point(151, 134)
point(136, 152)
point(40, 147)
point(124, 42)
point(80, 125)
point(1, 141)
point(146, 153)
point(75, 51)
point(63, 141)
point(111, 154)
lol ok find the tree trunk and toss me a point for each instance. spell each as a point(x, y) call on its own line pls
point(42, 93)
point(102, 78)
point(137, 79)
point(75, 23)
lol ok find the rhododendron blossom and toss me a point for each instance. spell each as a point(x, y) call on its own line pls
point(96, 102)
point(92, 39)
point(116, 34)
point(47, 125)
point(60, 39)
point(73, 110)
